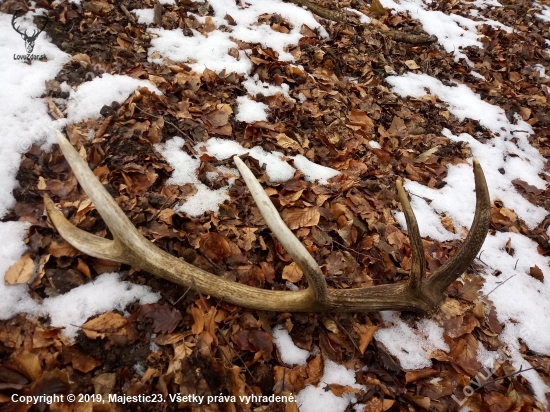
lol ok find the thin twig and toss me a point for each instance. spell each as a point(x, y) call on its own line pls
point(167, 122)
point(355, 348)
point(504, 377)
point(238, 356)
point(127, 13)
point(499, 286)
point(182, 296)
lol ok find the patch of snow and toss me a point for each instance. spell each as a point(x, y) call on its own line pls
point(290, 353)
point(317, 399)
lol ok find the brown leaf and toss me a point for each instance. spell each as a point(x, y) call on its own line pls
point(249, 238)
point(465, 355)
point(503, 216)
point(292, 273)
point(109, 322)
point(29, 364)
point(340, 390)
point(21, 271)
point(165, 318)
point(296, 218)
point(190, 80)
point(423, 401)
point(104, 383)
point(287, 143)
point(262, 341)
point(218, 118)
point(237, 382)
point(376, 7)
point(461, 325)
point(63, 248)
point(61, 188)
point(536, 273)
point(105, 266)
point(527, 187)
point(497, 402)
point(358, 120)
point(315, 369)
point(83, 268)
point(412, 376)
point(215, 246)
point(366, 337)
point(84, 363)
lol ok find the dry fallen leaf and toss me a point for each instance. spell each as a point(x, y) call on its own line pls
point(296, 218)
point(292, 273)
point(411, 64)
point(62, 248)
point(376, 7)
point(536, 273)
point(109, 322)
point(21, 271)
point(29, 364)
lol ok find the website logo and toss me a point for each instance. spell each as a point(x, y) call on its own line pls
point(29, 39)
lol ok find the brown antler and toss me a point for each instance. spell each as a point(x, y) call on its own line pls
point(130, 247)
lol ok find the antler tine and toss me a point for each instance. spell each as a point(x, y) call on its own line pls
point(440, 280)
point(300, 255)
point(418, 268)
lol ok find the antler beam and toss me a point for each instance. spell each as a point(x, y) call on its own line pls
point(130, 247)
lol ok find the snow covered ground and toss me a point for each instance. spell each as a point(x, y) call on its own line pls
point(522, 303)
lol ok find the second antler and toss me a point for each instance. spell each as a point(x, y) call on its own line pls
point(130, 247)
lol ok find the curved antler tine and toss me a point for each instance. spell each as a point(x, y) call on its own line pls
point(85, 242)
point(440, 280)
point(316, 279)
point(114, 217)
point(418, 268)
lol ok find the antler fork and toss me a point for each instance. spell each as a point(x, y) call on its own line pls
point(130, 247)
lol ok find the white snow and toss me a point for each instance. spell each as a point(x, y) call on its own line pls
point(290, 353)
point(88, 99)
point(399, 338)
point(317, 399)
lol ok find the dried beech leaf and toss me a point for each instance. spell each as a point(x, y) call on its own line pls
point(61, 249)
point(84, 362)
point(411, 64)
point(21, 271)
point(165, 318)
point(464, 354)
point(296, 218)
point(292, 273)
point(109, 322)
point(536, 273)
point(287, 143)
point(377, 7)
point(29, 364)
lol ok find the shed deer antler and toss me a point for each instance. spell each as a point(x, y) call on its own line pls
point(130, 247)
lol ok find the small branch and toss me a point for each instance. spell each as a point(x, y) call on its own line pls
point(127, 13)
point(504, 377)
point(339, 17)
point(321, 11)
point(167, 122)
point(410, 38)
point(499, 286)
